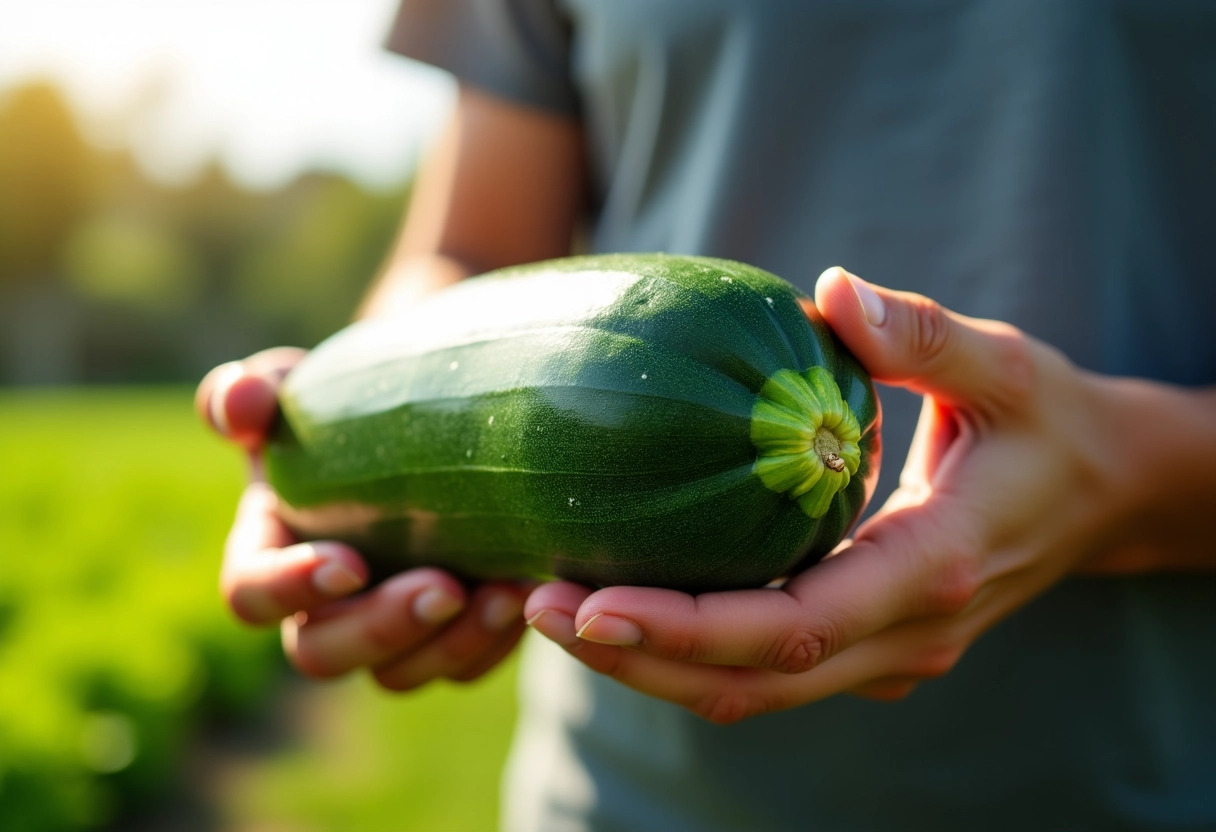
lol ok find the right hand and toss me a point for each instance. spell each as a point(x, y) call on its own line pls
point(415, 627)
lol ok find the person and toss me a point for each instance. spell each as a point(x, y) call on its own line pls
point(1036, 179)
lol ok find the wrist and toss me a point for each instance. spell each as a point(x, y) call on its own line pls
point(1165, 491)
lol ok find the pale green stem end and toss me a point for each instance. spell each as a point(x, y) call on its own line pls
point(806, 438)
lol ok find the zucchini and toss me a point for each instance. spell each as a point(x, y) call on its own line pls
point(639, 419)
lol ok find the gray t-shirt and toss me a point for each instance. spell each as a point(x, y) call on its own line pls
point(1046, 162)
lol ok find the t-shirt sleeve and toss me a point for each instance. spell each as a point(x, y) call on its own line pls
point(515, 49)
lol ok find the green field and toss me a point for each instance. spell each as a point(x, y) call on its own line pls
point(127, 694)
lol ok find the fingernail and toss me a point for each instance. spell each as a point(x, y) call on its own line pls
point(215, 406)
point(501, 611)
point(335, 579)
point(435, 606)
point(609, 629)
point(871, 304)
point(554, 626)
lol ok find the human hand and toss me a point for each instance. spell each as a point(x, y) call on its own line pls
point(412, 628)
point(1023, 469)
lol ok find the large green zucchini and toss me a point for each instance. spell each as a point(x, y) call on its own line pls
point(645, 419)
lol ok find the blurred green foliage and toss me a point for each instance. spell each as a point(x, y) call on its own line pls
point(366, 760)
point(113, 640)
point(108, 275)
point(119, 665)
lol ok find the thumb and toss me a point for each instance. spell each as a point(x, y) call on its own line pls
point(911, 341)
point(240, 399)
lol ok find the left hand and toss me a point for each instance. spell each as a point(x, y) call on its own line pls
point(415, 627)
point(1023, 469)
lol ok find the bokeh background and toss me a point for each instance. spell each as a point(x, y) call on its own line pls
point(183, 182)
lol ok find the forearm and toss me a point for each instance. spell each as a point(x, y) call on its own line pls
point(407, 280)
point(1167, 514)
point(421, 261)
point(503, 185)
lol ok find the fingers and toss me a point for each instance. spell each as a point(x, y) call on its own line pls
point(412, 629)
point(294, 578)
point(887, 666)
point(267, 575)
point(885, 577)
point(551, 610)
point(767, 628)
point(239, 399)
point(909, 340)
point(472, 644)
point(937, 434)
point(391, 619)
point(940, 443)
point(719, 694)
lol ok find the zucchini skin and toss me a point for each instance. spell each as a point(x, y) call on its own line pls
point(585, 418)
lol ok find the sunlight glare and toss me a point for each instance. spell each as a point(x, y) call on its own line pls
point(272, 86)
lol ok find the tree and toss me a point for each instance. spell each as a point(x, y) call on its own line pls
point(44, 181)
point(44, 191)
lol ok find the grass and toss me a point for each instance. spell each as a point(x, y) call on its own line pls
point(115, 650)
point(374, 762)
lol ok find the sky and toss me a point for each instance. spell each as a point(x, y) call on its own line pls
point(271, 86)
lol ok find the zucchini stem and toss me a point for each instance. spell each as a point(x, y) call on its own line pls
point(806, 438)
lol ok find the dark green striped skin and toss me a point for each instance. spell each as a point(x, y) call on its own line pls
point(585, 418)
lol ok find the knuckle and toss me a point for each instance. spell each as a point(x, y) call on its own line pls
point(1016, 359)
point(955, 584)
point(796, 651)
point(931, 332)
point(683, 647)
